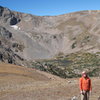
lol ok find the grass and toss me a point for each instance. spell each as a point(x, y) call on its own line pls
point(16, 78)
point(68, 66)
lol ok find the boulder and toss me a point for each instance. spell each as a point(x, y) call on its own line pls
point(5, 33)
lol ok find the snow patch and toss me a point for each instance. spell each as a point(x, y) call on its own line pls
point(15, 27)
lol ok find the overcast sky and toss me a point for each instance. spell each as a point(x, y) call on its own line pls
point(50, 7)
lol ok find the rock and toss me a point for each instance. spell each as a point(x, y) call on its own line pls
point(8, 17)
point(98, 97)
point(10, 60)
point(1, 57)
point(14, 45)
point(14, 20)
point(69, 81)
point(0, 43)
point(5, 33)
point(74, 98)
point(1, 10)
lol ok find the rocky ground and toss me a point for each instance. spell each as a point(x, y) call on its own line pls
point(19, 83)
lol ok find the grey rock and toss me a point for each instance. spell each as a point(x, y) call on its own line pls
point(5, 33)
point(98, 97)
point(74, 98)
point(8, 17)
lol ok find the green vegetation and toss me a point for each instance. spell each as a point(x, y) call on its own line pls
point(68, 66)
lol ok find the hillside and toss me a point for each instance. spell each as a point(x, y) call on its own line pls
point(27, 39)
point(46, 36)
point(69, 66)
point(19, 83)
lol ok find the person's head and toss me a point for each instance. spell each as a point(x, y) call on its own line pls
point(84, 74)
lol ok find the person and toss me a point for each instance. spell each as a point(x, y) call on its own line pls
point(85, 86)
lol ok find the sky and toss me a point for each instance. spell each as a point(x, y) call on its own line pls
point(50, 7)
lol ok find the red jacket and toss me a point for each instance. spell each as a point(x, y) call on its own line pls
point(85, 84)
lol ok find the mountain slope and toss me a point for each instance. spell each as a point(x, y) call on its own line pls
point(46, 36)
point(26, 38)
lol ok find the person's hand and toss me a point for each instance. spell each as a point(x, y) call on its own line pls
point(81, 92)
point(90, 92)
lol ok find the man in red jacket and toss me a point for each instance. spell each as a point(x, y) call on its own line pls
point(85, 86)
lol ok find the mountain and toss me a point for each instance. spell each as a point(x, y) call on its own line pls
point(26, 38)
